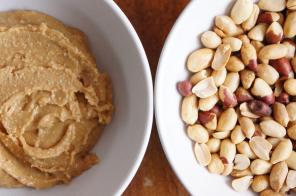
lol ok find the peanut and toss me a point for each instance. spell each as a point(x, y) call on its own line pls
point(189, 111)
point(282, 152)
point(202, 154)
point(205, 88)
point(278, 175)
point(227, 120)
point(272, 5)
point(210, 39)
point(200, 59)
point(280, 114)
point(260, 183)
point(260, 167)
point(268, 74)
point(272, 128)
point(206, 104)
point(216, 166)
point(184, 88)
point(247, 78)
point(221, 56)
point(290, 86)
point(198, 133)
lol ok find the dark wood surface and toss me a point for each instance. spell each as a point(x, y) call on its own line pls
point(153, 20)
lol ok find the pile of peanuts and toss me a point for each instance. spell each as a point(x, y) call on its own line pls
point(239, 104)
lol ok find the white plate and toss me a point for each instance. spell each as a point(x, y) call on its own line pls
point(183, 39)
point(120, 53)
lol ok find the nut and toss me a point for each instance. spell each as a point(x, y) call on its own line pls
point(278, 175)
point(202, 154)
point(282, 152)
point(280, 114)
point(272, 128)
point(269, 100)
point(235, 64)
point(198, 133)
point(283, 98)
point(244, 148)
point(292, 132)
point(200, 59)
point(216, 166)
point(278, 88)
point(289, 27)
point(282, 65)
point(227, 97)
point(227, 120)
point(247, 126)
point(260, 183)
point(245, 111)
point(241, 173)
point(261, 88)
point(227, 26)
point(289, 43)
point(260, 167)
point(217, 110)
point(242, 184)
point(219, 76)
point(268, 17)
point(184, 88)
point(228, 168)
point(221, 135)
point(273, 51)
point(206, 104)
point(291, 161)
point(214, 145)
point(243, 95)
point(199, 76)
point(241, 162)
point(261, 147)
point(274, 141)
point(272, 5)
point(251, 21)
point(189, 110)
point(274, 33)
point(227, 150)
point(290, 86)
point(258, 32)
point(247, 78)
point(235, 43)
point(221, 57)
point(291, 4)
point(249, 56)
point(208, 119)
point(232, 81)
point(259, 108)
point(244, 38)
point(291, 179)
point(237, 135)
point(241, 11)
point(205, 88)
point(210, 39)
point(291, 109)
point(268, 74)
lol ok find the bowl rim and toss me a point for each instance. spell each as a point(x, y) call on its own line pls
point(157, 89)
point(148, 80)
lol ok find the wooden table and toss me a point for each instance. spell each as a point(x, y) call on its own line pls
point(153, 20)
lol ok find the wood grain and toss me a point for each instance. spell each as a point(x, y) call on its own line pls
point(153, 20)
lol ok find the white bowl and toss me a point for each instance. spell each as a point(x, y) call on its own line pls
point(119, 52)
point(183, 39)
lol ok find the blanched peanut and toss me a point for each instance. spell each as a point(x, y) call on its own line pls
point(189, 111)
point(247, 126)
point(227, 150)
point(219, 76)
point(221, 56)
point(278, 175)
point(273, 51)
point(235, 64)
point(237, 135)
point(241, 173)
point(257, 45)
point(228, 168)
point(291, 109)
point(258, 32)
point(274, 141)
point(232, 81)
point(289, 27)
point(202, 154)
point(291, 161)
point(261, 147)
point(227, 120)
point(290, 86)
point(291, 179)
point(282, 152)
point(210, 39)
point(268, 73)
point(205, 88)
point(260, 183)
point(272, 128)
point(200, 59)
point(198, 133)
point(241, 11)
point(227, 26)
point(292, 132)
point(261, 88)
point(241, 162)
point(291, 4)
point(247, 78)
point(206, 104)
point(235, 43)
point(272, 5)
point(269, 192)
point(216, 166)
point(260, 167)
point(214, 145)
point(244, 148)
point(289, 43)
point(242, 184)
point(199, 76)
point(251, 21)
point(221, 134)
point(280, 114)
